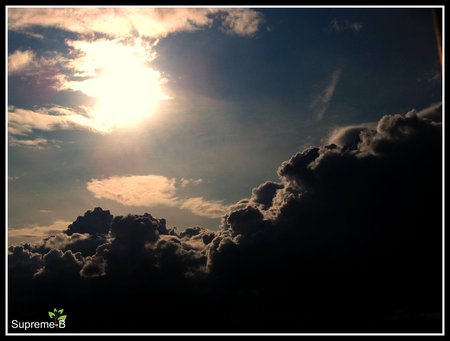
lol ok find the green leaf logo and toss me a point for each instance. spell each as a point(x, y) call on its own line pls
point(56, 315)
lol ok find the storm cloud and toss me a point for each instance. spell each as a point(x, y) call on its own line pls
point(348, 240)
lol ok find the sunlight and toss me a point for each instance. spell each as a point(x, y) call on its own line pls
point(126, 89)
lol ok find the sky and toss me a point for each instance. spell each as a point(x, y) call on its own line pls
point(223, 98)
point(215, 156)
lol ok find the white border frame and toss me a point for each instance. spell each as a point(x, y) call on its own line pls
point(229, 334)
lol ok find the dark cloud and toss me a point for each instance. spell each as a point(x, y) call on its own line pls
point(84, 243)
point(349, 240)
point(96, 221)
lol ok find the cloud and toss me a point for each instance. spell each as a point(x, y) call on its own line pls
point(19, 60)
point(337, 25)
point(341, 243)
point(205, 208)
point(37, 143)
point(433, 112)
point(34, 233)
point(93, 222)
point(242, 22)
point(22, 122)
point(148, 22)
point(153, 190)
point(345, 136)
point(321, 103)
point(136, 190)
point(186, 182)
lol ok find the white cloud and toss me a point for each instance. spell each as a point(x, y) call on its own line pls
point(149, 22)
point(153, 190)
point(36, 232)
point(205, 208)
point(22, 122)
point(136, 190)
point(321, 103)
point(20, 60)
point(337, 25)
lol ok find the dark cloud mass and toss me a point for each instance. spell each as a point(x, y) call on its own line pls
point(349, 240)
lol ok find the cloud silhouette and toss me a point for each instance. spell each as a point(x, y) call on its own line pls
point(348, 240)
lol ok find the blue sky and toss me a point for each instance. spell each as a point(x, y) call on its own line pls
point(228, 96)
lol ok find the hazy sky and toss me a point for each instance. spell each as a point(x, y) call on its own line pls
point(181, 113)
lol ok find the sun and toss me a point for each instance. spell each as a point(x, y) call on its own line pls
point(126, 89)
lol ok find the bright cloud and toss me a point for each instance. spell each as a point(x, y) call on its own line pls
point(114, 71)
point(149, 22)
point(23, 122)
point(136, 190)
point(35, 233)
point(153, 190)
point(19, 60)
point(205, 208)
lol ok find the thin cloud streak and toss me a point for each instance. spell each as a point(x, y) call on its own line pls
point(322, 102)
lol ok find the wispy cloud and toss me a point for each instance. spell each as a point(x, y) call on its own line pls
point(205, 208)
point(19, 60)
point(186, 182)
point(153, 190)
point(337, 25)
point(23, 122)
point(149, 22)
point(35, 232)
point(321, 103)
point(136, 190)
point(37, 143)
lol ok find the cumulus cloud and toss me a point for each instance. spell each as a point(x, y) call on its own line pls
point(19, 60)
point(94, 222)
point(149, 22)
point(338, 25)
point(321, 103)
point(349, 239)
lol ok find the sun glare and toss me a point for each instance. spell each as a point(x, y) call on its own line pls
point(127, 90)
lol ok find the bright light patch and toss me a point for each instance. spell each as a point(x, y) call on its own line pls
point(126, 88)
